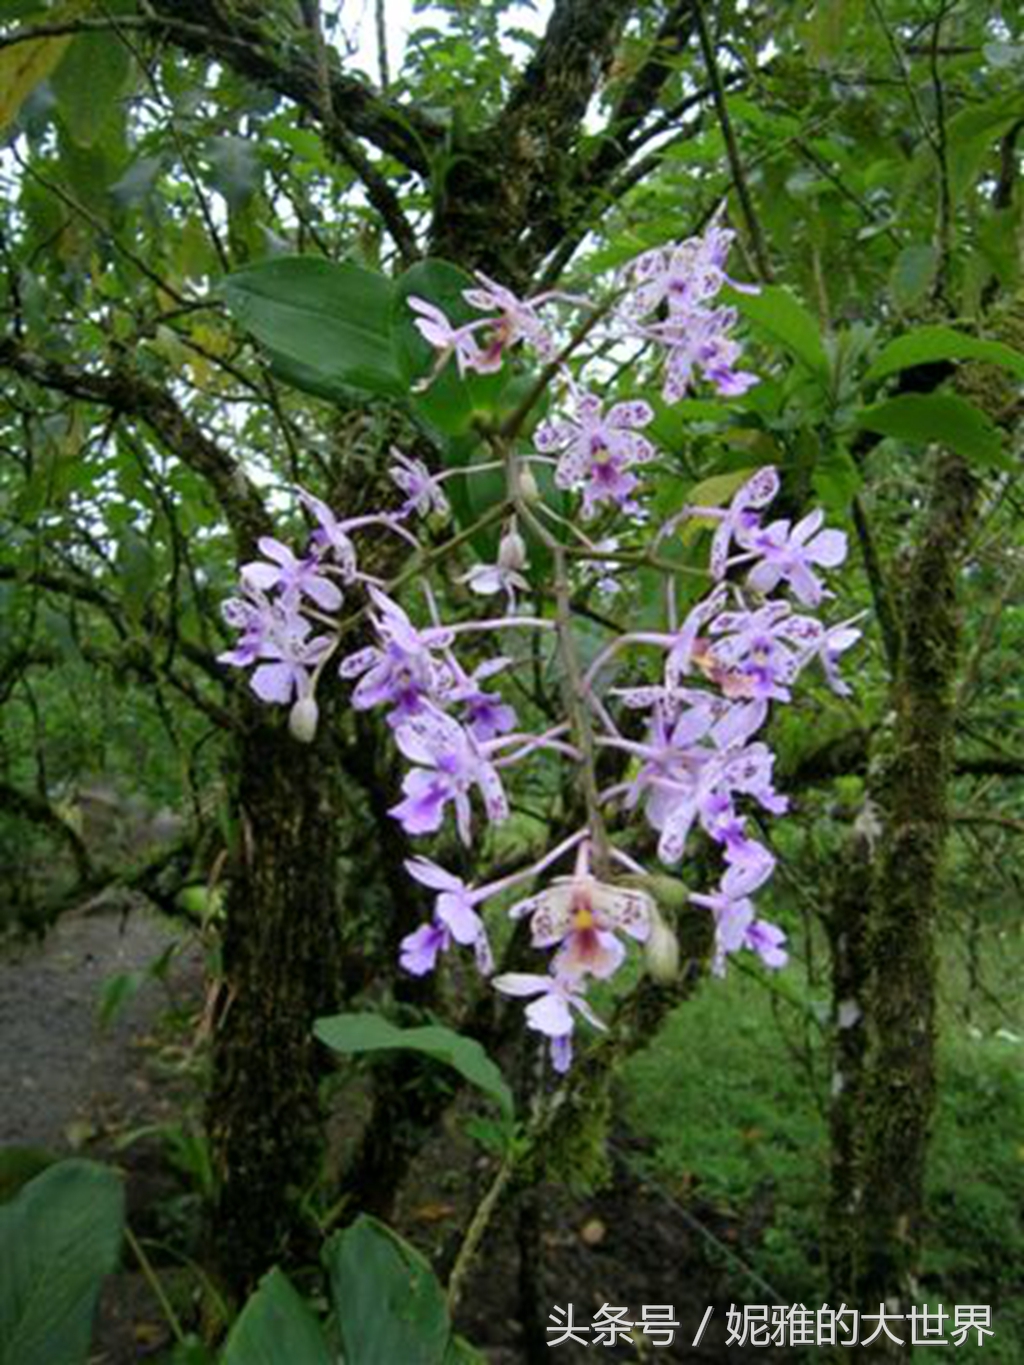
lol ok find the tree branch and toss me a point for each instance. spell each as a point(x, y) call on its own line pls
point(247, 44)
point(29, 806)
point(753, 223)
point(127, 392)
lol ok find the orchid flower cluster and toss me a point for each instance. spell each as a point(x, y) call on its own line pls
point(687, 738)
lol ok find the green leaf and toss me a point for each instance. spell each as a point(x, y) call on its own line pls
point(460, 1352)
point(277, 1327)
point(913, 274)
point(836, 478)
point(358, 1033)
point(944, 418)
point(26, 65)
point(58, 1239)
point(116, 994)
point(325, 325)
point(973, 134)
point(389, 1304)
point(87, 83)
point(137, 570)
point(192, 1351)
point(780, 315)
point(137, 182)
point(448, 402)
point(925, 345)
point(19, 1165)
point(235, 169)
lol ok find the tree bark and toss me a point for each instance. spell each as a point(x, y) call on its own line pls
point(878, 1190)
point(281, 966)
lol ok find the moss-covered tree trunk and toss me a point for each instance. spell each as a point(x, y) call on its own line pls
point(879, 1178)
point(281, 956)
point(847, 926)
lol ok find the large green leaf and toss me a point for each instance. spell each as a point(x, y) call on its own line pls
point(925, 345)
point(944, 418)
point(58, 1239)
point(277, 1327)
point(390, 1307)
point(25, 65)
point(19, 1165)
point(443, 398)
point(325, 325)
point(358, 1033)
point(87, 83)
point(781, 316)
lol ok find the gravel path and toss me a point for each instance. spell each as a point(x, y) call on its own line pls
point(64, 1079)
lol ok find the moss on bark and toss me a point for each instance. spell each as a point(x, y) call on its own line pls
point(281, 969)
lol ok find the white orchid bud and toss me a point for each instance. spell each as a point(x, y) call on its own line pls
point(302, 721)
point(661, 952)
point(528, 484)
point(512, 550)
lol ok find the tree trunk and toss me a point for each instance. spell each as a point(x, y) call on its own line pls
point(281, 966)
point(846, 925)
point(879, 1184)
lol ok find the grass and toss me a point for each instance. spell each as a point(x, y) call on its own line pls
point(732, 1093)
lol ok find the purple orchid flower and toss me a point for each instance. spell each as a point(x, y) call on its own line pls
point(699, 341)
point(450, 764)
point(551, 1013)
point(486, 714)
point(580, 915)
point(599, 450)
point(682, 277)
point(423, 491)
point(455, 920)
point(282, 570)
point(291, 659)
point(791, 555)
point(435, 328)
point(515, 319)
point(760, 653)
point(331, 536)
point(740, 518)
point(836, 640)
point(736, 924)
point(402, 671)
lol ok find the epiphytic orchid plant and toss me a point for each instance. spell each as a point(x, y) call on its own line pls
point(687, 731)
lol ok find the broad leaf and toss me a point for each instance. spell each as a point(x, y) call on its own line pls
point(19, 1165)
point(944, 418)
point(58, 1239)
point(87, 83)
point(358, 1033)
point(277, 1327)
point(778, 314)
point(325, 325)
point(25, 65)
point(389, 1304)
point(925, 345)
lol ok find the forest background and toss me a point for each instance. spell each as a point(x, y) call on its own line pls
point(847, 1129)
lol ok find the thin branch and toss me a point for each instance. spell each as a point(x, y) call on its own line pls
point(29, 806)
point(881, 592)
point(381, 21)
point(378, 189)
point(944, 231)
point(753, 223)
point(128, 392)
